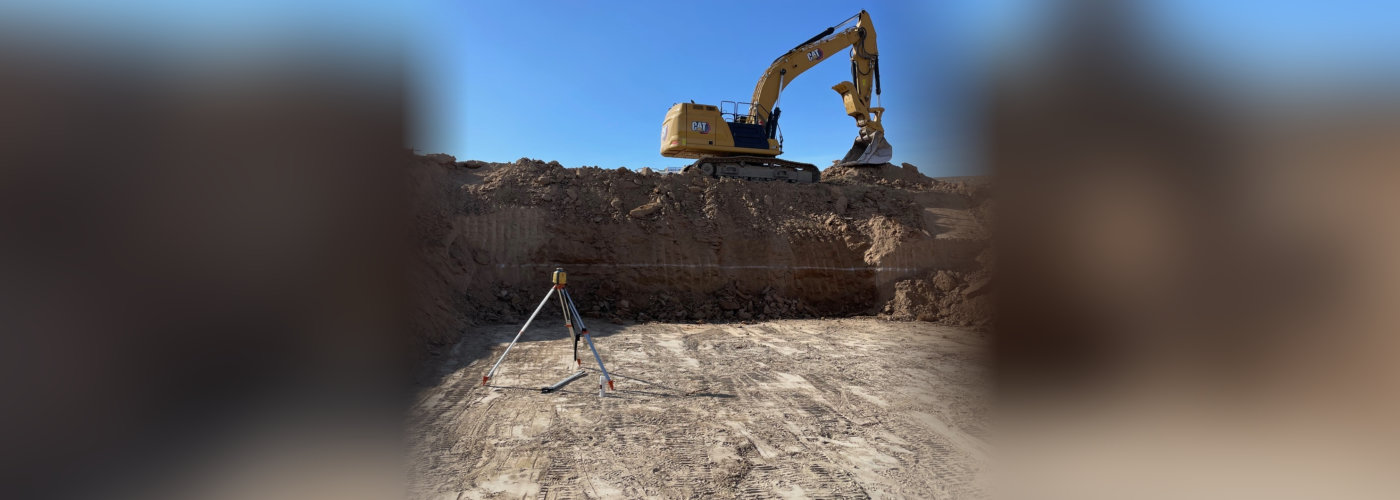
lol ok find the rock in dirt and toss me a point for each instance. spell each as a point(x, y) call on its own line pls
point(645, 210)
point(944, 281)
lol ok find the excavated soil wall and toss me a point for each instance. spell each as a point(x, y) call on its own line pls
point(642, 245)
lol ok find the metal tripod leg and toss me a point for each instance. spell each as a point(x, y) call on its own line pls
point(569, 323)
point(589, 339)
point(517, 336)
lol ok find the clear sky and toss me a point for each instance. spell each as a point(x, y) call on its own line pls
point(588, 83)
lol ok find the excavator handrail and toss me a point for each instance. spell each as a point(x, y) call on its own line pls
point(734, 115)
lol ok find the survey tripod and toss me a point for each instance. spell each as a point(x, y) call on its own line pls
point(571, 318)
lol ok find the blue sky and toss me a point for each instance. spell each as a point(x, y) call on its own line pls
point(588, 83)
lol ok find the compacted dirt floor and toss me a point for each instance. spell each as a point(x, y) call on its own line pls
point(841, 408)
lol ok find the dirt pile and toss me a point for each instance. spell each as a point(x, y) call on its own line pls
point(944, 296)
point(904, 176)
point(643, 245)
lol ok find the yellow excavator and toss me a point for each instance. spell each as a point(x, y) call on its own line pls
point(742, 139)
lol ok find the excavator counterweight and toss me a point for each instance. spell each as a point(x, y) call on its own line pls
point(735, 141)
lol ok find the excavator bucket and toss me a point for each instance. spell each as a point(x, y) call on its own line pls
point(872, 152)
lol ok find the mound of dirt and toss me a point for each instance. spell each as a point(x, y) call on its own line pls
point(949, 297)
point(904, 176)
point(643, 245)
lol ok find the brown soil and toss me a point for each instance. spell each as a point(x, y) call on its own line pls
point(842, 408)
point(641, 245)
point(757, 405)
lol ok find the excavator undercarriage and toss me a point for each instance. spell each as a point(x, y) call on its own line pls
point(754, 168)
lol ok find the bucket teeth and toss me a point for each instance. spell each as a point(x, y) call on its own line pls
point(874, 151)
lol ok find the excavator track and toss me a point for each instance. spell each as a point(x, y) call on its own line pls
point(757, 168)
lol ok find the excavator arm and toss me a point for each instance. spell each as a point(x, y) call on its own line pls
point(870, 145)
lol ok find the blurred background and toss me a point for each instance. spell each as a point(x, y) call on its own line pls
point(1195, 244)
point(203, 224)
point(206, 219)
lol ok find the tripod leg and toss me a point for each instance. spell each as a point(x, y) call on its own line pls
point(517, 338)
point(569, 323)
point(589, 339)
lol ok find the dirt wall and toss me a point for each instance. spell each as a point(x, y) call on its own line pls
point(642, 245)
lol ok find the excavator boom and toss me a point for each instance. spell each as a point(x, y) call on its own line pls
point(870, 145)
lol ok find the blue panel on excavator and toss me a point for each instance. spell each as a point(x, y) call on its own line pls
point(748, 135)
